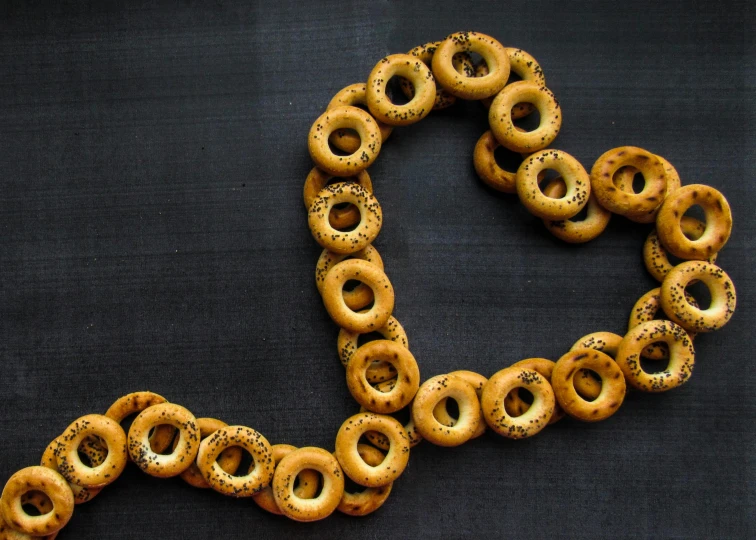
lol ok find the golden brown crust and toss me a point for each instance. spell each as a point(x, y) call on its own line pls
point(81, 494)
point(501, 121)
point(308, 479)
point(576, 232)
point(417, 73)
point(461, 62)
point(344, 139)
point(368, 500)
point(428, 396)
point(379, 439)
point(228, 460)
point(573, 175)
point(361, 295)
point(47, 481)
point(345, 117)
point(655, 256)
point(339, 218)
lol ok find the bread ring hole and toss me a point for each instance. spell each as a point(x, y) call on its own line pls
point(34, 502)
point(587, 384)
point(518, 402)
point(545, 177)
point(530, 122)
point(698, 295)
point(580, 216)
point(654, 366)
point(338, 133)
point(350, 486)
point(302, 485)
point(446, 412)
point(394, 91)
point(507, 159)
point(92, 451)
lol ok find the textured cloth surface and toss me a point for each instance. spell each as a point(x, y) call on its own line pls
point(154, 237)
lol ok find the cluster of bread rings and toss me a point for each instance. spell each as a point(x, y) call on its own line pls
point(588, 382)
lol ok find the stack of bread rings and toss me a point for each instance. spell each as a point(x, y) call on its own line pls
point(372, 448)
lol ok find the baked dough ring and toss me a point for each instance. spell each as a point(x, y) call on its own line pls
point(534, 419)
point(229, 460)
point(645, 309)
point(430, 393)
point(690, 317)
point(339, 218)
point(354, 466)
point(488, 170)
point(368, 500)
point(513, 401)
point(612, 385)
point(333, 297)
point(250, 440)
point(586, 384)
point(353, 95)
point(309, 482)
point(296, 462)
point(462, 85)
point(408, 376)
point(718, 222)
point(500, 117)
point(625, 176)
point(681, 356)
point(477, 381)
point(461, 61)
point(183, 455)
point(655, 256)
point(81, 494)
point(573, 174)
point(345, 241)
point(416, 72)
point(109, 433)
point(628, 203)
point(361, 295)
point(136, 402)
point(577, 232)
point(379, 439)
point(345, 117)
point(524, 66)
point(47, 481)
point(348, 342)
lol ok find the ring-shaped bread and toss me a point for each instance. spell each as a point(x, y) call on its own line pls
point(136, 402)
point(369, 499)
point(344, 242)
point(361, 295)
point(677, 306)
point(499, 385)
point(587, 385)
point(354, 466)
point(501, 122)
point(681, 356)
point(411, 69)
point(577, 182)
point(461, 61)
point(345, 139)
point(718, 222)
point(333, 297)
point(655, 255)
point(428, 396)
point(379, 439)
point(183, 454)
point(229, 460)
point(47, 481)
point(613, 387)
point(346, 117)
point(461, 85)
point(339, 218)
point(398, 396)
point(577, 232)
point(307, 482)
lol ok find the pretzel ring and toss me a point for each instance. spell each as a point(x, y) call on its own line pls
point(681, 356)
point(361, 295)
point(428, 396)
point(645, 309)
point(354, 466)
point(81, 494)
point(514, 403)
point(136, 402)
point(534, 419)
point(379, 439)
point(258, 476)
point(524, 66)
point(680, 310)
point(348, 342)
point(577, 232)
point(477, 381)
point(159, 465)
point(417, 73)
point(586, 384)
point(629, 203)
point(339, 218)
point(49, 482)
point(353, 95)
point(110, 433)
point(461, 85)
point(462, 64)
point(368, 500)
point(306, 488)
point(655, 256)
point(287, 470)
point(340, 241)
point(573, 175)
point(372, 276)
point(718, 222)
point(228, 460)
point(500, 117)
point(345, 117)
point(408, 376)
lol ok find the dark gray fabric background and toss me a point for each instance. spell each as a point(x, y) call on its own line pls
point(153, 236)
